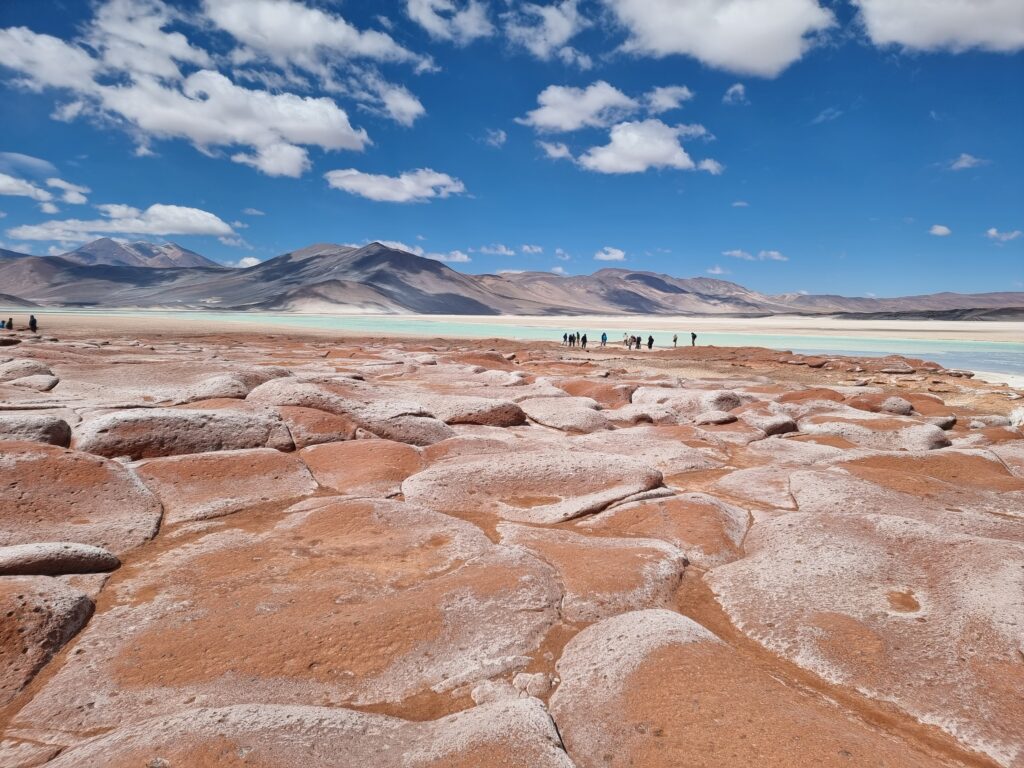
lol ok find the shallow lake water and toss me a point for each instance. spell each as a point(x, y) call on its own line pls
point(995, 356)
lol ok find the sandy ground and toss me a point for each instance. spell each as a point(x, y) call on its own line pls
point(785, 325)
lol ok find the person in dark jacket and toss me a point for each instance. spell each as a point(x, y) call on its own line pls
point(32, 324)
point(650, 342)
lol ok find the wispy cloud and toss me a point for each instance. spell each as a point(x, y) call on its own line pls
point(827, 115)
point(966, 161)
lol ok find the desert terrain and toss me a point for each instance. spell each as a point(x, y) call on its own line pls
point(227, 547)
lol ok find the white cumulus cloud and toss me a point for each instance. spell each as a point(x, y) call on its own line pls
point(667, 97)
point(637, 146)
point(70, 193)
point(458, 22)
point(555, 150)
point(953, 25)
point(716, 270)
point(157, 219)
point(292, 33)
point(563, 108)
point(531, 249)
point(940, 230)
point(409, 187)
point(1003, 237)
point(130, 76)
point(610, 254)
point(757, 37)
point(15, 187)
point(545, 30)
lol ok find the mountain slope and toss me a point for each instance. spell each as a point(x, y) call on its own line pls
point(329, 278)
point(137, 254)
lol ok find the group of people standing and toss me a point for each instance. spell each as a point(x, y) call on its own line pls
point(628, 341)
point(576, 340)
point(33, 324)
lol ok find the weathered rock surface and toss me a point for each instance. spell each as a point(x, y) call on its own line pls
point(603, 576)
point(706, 529)
point(205, 485)
point(38, 428)
point(18, 369)
point(883, 433)
point(530, 486)
point(344, 602)
point(362, 538)
point(308, 426)
point(142, 433)
point(627, 680)
point(516, 734)
point(40, 614)
point(53, 494)
point(404, 422)
point(363, 467)
point(40, 382)
point(933, 626)
point(455, 409)
point(52, 558)
point(569, 414)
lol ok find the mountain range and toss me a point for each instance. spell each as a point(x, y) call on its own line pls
point(375, 278)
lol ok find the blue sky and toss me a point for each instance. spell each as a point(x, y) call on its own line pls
point(861, 147)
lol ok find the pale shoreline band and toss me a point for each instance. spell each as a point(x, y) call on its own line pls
point(187, 320)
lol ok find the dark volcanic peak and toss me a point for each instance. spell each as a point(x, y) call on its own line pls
point(111, 252)
point(329, 277)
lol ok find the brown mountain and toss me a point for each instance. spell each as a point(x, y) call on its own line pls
point(329, 278)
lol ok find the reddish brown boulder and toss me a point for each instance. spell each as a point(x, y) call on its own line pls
point(309, 426)
point(38, 428)
point(53, 558)
point(363, 467)
point(40, 614)
point(349, 602)
point(706, 529)
point(531, 486)
point(53, 494)
point(880, 432)
point(204, 485)
point(601, 575)
point(576, 415)
point(656, 689)
point(509, 734)
point(933, 626)
point(141, 433)
point(804, 395)
point(608, 393)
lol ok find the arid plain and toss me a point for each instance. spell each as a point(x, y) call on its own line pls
point(237, 548)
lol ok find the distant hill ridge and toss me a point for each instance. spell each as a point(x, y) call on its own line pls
point(375, 278)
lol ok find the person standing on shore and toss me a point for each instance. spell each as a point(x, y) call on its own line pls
point(33, 325)
point(604, 338)
point(583, 341)
point(9, 325)
point(565, 339)
point(693, 339)
point(675, 340)
point(650, 342)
